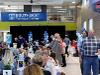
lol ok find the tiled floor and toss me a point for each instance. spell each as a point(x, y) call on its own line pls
point(73, 67)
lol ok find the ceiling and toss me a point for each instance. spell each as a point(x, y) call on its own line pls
point(38, 2)
point(65, 8)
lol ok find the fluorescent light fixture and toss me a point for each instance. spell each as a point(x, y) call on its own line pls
point(62, 9)
point(57, 7)
point(73, 2)
point(11, 7)
point(3, 6)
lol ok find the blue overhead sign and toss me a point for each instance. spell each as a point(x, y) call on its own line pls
point(23, 16)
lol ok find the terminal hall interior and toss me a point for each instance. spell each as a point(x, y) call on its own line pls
point(49, 37)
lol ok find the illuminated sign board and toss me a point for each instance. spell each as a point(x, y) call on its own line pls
point(23, 16)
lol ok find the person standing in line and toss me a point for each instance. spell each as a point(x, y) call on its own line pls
point(22, 40)
point(90, 49)
point(56, 47)
point(79, 44)
point(16, 40)
point(67, 41)
point(63, 45)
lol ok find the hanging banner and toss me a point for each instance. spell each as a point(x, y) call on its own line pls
point(9, 38)
point(23, 16)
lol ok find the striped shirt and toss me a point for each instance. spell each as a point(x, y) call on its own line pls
point(90, 46)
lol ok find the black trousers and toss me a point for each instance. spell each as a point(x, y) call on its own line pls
point(66, 51)
point(63, 59)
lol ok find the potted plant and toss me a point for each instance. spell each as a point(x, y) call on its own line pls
point(7, 69)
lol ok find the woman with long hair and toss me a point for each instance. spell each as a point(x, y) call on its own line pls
point(33, 69)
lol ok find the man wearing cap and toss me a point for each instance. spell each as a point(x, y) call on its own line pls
point(90, 48)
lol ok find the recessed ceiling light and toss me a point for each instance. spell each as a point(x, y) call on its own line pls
point(73, 2)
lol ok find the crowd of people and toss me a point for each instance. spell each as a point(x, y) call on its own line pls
point(48, 58)
point(42, 58)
